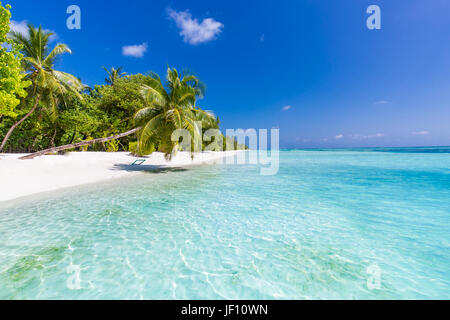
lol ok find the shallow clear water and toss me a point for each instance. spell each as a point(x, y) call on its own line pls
point(318, 229)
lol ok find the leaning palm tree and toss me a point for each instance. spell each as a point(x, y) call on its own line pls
point(114, 75)
point(49, 86)
point(165, 111)
point(171, 109)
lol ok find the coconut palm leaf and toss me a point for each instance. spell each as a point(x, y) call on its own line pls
point(49, 86)
point(57, 50)
point(114, 75)
point(172, 108)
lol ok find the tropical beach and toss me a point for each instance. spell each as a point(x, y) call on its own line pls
point(207, 153)
point(48, 173)
point(140, 106)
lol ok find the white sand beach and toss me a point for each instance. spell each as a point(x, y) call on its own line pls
point(20, 178)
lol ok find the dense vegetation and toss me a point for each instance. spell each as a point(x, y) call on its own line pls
point(12, 86)
point(45, 108)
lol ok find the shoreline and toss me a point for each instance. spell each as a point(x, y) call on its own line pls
point(21, 178)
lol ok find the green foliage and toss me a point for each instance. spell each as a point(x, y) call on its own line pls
point(133, 148)
point(68, 112)
point(120, 102)
point(102, 112)
point(141, 149)
point(108, 110)
point(230, 143)
point(49, 87)
point(49, 84)
point(170, 109)
point(113, 75)
point(115, 107)
point(112, 145)
point(12, 83)
point(85, 148)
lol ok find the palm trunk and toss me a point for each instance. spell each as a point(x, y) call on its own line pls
point(10, 131)
point(52, 141)
point(79, 144)
point(73, 137)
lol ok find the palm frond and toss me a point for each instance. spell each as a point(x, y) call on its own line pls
point(57, 50)
point(173, 108)
point(152, 127)
point(152, 95)
point(146, 113)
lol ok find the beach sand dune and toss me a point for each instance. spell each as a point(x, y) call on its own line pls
point(20, 178)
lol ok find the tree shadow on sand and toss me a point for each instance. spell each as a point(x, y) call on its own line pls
point(148, 168)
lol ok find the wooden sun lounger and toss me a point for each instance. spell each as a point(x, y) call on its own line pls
point(138, 162)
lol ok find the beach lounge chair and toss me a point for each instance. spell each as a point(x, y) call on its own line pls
point(138, 162)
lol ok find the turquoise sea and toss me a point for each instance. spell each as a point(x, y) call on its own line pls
point(332, 224)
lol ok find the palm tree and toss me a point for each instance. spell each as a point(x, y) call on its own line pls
point(114, 75)
point(171, 109)
point(48, 85)
point(166, 111)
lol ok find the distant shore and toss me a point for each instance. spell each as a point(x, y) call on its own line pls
point(21, 178)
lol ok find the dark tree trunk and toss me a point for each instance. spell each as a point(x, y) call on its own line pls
point(79, 144)
point(52, 141)
point(73, 137)
point(18, 123)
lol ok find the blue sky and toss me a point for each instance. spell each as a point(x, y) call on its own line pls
point(311, 68)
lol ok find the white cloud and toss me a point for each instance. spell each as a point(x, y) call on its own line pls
point(376, 135)
point(369, 136)
point(193, 31)
point(421, 133)
point(22, 28)
point(136, 51)
point(339, 136)
point(286, 108)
